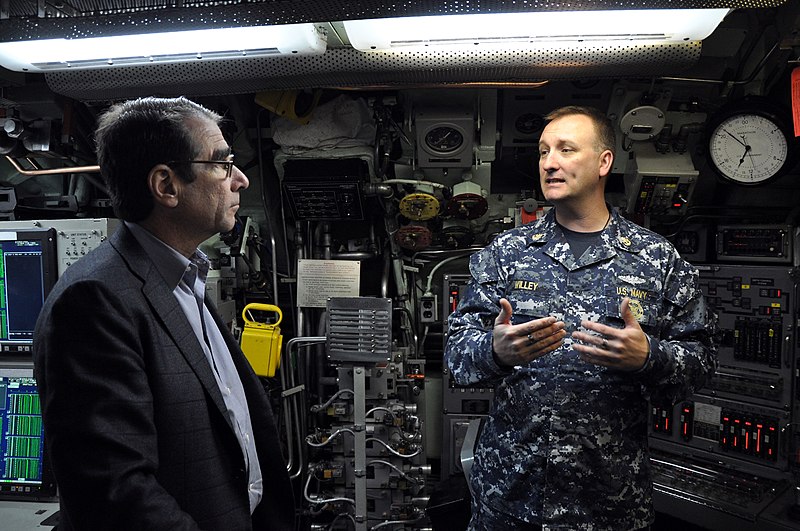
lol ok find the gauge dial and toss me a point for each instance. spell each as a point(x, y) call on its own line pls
point(444, 139)
point(750, 146)
point(528, 123)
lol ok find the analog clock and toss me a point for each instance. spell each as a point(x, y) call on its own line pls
point(444, 139)
point(750, 143)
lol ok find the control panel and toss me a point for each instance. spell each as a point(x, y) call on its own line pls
point(755, 243)
point(729, 446)
point(74, 237)
point(659, 183)
point(322, 189)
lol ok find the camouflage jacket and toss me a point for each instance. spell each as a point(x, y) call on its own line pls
point(565, 444)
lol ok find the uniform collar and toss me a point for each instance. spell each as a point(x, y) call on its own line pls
point(618, 233)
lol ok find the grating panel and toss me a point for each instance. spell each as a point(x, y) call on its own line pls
point(359, 329)
point(346, 67)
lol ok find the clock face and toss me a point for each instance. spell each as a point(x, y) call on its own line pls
point(444, 139)
point(749, 148)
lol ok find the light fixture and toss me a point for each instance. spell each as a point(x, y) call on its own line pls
point(532, 30)
point(170, 47)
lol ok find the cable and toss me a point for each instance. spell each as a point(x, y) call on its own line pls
point(323, 500)
point(319, 407)
point(409, 330)
point(393, 467)
point(392, 450)
point(440, 264)
point(379, 408)
point(327, 441)
point(338, 516)
point(393, 522)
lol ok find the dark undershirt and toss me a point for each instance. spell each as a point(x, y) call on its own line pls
point(580, 241)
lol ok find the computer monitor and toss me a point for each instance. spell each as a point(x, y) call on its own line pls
point(24, 471)
point(28, 271)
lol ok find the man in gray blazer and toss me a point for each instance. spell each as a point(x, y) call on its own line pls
point(153, 418)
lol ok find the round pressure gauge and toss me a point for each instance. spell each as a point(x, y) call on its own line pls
point(750, 143)
point(444, 139)
point(528, 123)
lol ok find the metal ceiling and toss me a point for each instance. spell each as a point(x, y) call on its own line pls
point(341, 65)
point(288, 11)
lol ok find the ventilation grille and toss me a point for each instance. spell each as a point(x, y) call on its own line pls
point(359, 329)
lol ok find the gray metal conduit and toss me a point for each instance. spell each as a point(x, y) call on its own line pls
point(292, 404)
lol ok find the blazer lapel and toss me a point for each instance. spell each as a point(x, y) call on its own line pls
point(166, 307)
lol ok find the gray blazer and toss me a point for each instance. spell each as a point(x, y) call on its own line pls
point(134, 422)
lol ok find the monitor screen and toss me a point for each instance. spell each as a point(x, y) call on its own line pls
point(28, 271)
point(24, 473)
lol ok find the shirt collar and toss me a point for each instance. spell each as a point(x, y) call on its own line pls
point(170, 263)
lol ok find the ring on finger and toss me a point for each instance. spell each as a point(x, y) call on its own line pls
point(531, 340)
point(605, 344)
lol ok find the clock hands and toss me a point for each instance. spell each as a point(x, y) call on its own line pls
point(743, 142)
point(747, 148)
point(750, 154)
point(746, 152)
point(736, 138)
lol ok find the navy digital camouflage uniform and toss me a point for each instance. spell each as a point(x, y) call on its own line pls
point(565, 444)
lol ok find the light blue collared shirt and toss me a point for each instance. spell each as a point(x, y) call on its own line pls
point(187, 278)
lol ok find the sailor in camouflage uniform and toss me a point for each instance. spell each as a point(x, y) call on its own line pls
point(575, 344)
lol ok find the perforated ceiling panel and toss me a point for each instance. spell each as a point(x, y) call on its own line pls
point(340, 66)
point(316, 11)
point(351, 68)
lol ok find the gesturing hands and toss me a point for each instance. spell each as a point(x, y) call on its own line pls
point(519, 344)
point(625, 348)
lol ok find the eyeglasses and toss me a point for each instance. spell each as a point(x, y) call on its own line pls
point(227, 163)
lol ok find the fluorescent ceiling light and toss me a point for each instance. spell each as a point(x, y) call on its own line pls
point(515, 31)
point(169, 47)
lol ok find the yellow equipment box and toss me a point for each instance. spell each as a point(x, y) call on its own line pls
point(261, 342)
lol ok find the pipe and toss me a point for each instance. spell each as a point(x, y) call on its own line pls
point(353, 255)
point(380, 189)
point(272, 243)
point(416, 182)
point(292, 409)
point(52, 171)
point(67, 170)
